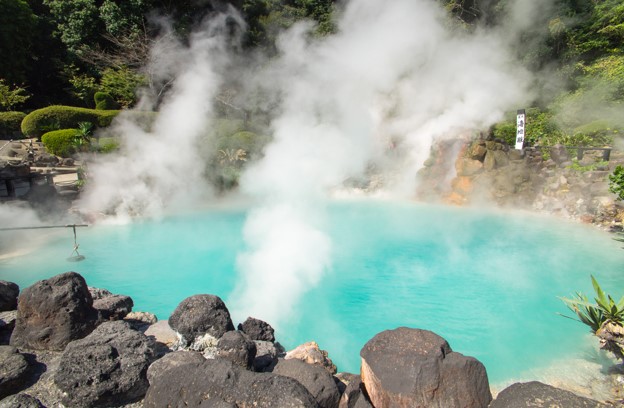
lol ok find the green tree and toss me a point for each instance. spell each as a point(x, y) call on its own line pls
point(122, 84)
point(17, 23)
point(616, 182)
point(11, 97)
point(77, 21)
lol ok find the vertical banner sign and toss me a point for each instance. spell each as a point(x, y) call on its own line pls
point(520, 129)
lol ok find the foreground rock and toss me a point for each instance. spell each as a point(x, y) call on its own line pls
point(536, 394)
point(198, 315)
point(238, 348)
point(7, 324)
point(106, 368)
point(110, 306)
point(412, 367)
point(257, 330)
point(13, 370)
point(21, 401)
point(53, 312)
point(311, 353)
point(9, 292)
point(351, 394)
point(222, 384)
point(316, 379)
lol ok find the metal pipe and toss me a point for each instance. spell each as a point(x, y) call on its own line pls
point(44, 227)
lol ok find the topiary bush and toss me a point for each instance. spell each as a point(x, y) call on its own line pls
point(10, 125)
point(57, 117)
point(104, 101)
point(60, 142)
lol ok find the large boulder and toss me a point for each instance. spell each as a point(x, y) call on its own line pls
point(198, 315)
point(536, 394)
point(311, 353)
point(411, 367)
point(13, 371)
point(200, 382)
point(110, 306)
point(9, 292)
point(21, 401)
point(53, 312)
point(316, 379)
point(237, 347)
point(108, 367)
point(257, 329)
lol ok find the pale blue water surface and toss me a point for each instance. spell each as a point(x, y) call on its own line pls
point(487, 282)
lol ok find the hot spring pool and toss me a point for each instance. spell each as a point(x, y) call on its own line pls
point(487, 282)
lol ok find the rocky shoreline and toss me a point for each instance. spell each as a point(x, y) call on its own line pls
point(65, 344)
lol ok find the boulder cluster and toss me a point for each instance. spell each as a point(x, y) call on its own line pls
point(66, 344)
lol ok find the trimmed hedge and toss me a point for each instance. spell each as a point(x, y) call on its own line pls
point(10, 125)
point(60, 142)
point(104, 101)
point(56, 117)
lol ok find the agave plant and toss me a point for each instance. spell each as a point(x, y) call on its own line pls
point(595, 315)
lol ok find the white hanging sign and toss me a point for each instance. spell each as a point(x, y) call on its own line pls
point(520, 129)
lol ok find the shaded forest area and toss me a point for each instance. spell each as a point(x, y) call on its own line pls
point(66, 51)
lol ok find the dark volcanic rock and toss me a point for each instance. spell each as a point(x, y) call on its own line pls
point(9, 292)
point(351, 394)
point(237, 347)
point(536, 394)
point(201, 314)
point(198, 383)
point(266, 355)
point(21, 401)
point(110, 306)
point(316, 379)
point(257, 329)
point(53, 312)
point(13, 370)
point(411, 367)
point(106, 368)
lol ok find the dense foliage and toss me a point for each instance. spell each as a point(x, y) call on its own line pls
point(57, 117)
point(60, 142)
point(616, 182)
point(10, 124)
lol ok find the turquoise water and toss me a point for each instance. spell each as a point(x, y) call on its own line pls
point(488, 283)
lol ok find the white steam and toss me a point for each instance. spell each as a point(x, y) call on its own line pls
point(377, 93)
point(163, 167)
point(392, 72)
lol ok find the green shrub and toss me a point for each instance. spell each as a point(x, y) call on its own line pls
point(10, 124)
point(60, 142)
point(55, 117)
point(107, 145)
point(616, 182)
point(505, 131)
point(104, 101)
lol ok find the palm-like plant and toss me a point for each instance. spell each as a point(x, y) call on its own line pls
point(596, 314)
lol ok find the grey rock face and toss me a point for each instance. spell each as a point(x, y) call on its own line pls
point(411, 367)
point(21, 401)
point(106, 368)
point(13, 370)
point(257, 329)
point(7, 324)
point(9, 292)
point(316, 379)
point(53, 312)
point(237, 347)
point(201, 314)
point(221, 382)
point(536, 394)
